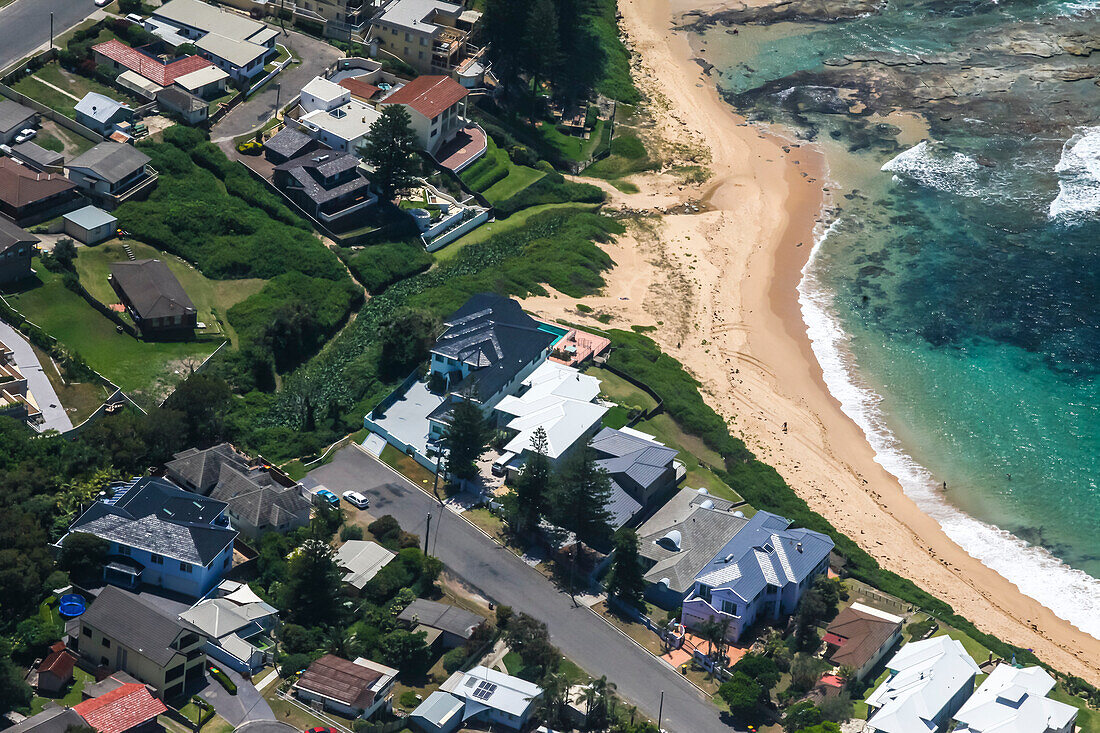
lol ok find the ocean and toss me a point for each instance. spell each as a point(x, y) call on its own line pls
point(953, 293)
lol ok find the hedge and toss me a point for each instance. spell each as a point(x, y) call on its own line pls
point(379, 266)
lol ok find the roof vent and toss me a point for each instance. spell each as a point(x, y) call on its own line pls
point(702, 491)
point(672, 540)
point(664, 581)
point(739, 513)
point(728, 558)
point(798, 547)
point(708, 504)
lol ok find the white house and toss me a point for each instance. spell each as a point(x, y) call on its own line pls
point(482, 695)
point(1013, 699)
point(436, 107)
point(238, 627)
point(929, 681)
point(237, 44)
point(331, 116)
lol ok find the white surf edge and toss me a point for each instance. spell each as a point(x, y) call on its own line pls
point(1071, 594)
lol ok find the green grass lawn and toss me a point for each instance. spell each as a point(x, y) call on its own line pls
point(1088, 719)
point(50, 97)
point(212, 298)
point(519, 177)
point(691, 449)
point(571, 147)
point(407, 467)
point(78, 85)
point(145, 370)
point(496, 177)
point(976, 651)
point(618, 390)
point(515, 221)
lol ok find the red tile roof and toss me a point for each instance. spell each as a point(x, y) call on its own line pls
point(120, 709)
point(428, 95)
point(360, 89)
point(59, 662)
point(146, 65)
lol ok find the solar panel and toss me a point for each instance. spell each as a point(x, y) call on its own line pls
point(485, 690)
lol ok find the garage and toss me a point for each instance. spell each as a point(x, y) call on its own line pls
point(90, 225)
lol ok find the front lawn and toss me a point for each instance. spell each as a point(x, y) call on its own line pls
point(74, 84)
point(407, 467)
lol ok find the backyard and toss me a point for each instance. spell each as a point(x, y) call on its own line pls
point(75, 87)
point(515, 221)
point(693, 454)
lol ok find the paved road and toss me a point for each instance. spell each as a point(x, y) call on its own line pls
point(25, 24)
point(247, 705)
point(53, 412)
point(315, 55)
point(501, 576)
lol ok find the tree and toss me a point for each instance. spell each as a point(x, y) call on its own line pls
point(741, 693)
point(550, 707)
point(802, 714)
point(581, 496)
point(466, 438)
point(541, 42)
point(825, 727)
point(406, 339)
point(838, 708)
point(389, 147)
point(529, 638)
point(713, 631)
point(64, 252)
point(762, 670)
point(805, 673)
point(311, 593)
point(533, 487)
point(599, 701)
point(501, 31)
point(405, 650)
point(811, 609)
point(626, 582)
point(82, 556)
point(204, 401)
point(14, 692)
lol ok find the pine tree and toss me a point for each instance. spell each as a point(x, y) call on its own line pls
point(533, 486)
point(626, 582)
point(541, 42)
point(388, 148)
point(312, 588)
point(466, 438)
point(501, 31)
point(581, 497)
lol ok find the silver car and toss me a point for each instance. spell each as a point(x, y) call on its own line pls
point(356, 499)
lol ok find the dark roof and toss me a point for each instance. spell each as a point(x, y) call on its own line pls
point(152, 289)
point(157, 516)
point(32, 152)
point(180, 99)
point(111, 161)
point(633, 462)
point(51, 720)
point(338, 679)
point(621, 505)
point(125, 617)
point(260, 504)
point(12, 236)
point(429, 95)
point(309, 171)
point(289, 143)
point(13, 115)
point(116, 680)
point(862, 634)
point(201, 468)
point(451, 619)
point(19, 185)
point(495, 338)
point(121, 709)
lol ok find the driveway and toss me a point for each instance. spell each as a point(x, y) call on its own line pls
point(315, 56)
point(53, 412)
point(25, 24)
point(246, 706)
point(498, 574)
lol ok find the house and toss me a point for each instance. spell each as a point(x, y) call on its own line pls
point(16, 400)
point(14, 118)
point(436, 107)
point(51, 720)
point(345, 20)
point(107, 684)
point(161, 535)
point(153, 297)
point(327, 185)
point(860, 636)
point(190, 108)
point(450, 625)
point(55, 671)
point(101, 113)
point(112, 171)
point(259, 497)
point(361, 560)
point(122, 632)
point(640, 468)
point(355, 689)
point(17, 248)
point(205, 83)
point(28, 196)
point(681, 538)
point(483, 696)
point(122, 58)
point(127, 709)
point(928, 682)
point(330, 116)
point(288, 143)
point(34, 156)
point(557, 399)
point(761, 573)
point(429, 35)
point(1014, 699)
point(235, 43)
point(90, 225)
point(238, 629)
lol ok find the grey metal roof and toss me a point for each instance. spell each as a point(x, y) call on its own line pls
point(111, 161)
point(32, 152)
point(635, 462)
point(310, 170)
point(127, 618)
point(90, 217)
point(51, 720)
point(451, 619)
point(361, 560)
point(621, 505)
point(12, 236)
point(151, 288)
point(13, 115)
point(99, 107)
point(439, 709)
point(115, 681)
point(180, 99)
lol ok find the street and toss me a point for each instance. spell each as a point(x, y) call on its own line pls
point(25, 24)
point(501, 576)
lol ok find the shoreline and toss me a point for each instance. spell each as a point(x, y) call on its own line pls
point(721, 288)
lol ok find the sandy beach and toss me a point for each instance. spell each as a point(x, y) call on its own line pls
point(719, 284)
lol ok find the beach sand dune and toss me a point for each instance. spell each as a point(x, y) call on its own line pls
point(720, 288)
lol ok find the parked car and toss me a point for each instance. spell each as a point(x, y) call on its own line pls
point(101, 3)
point(356, 499)
point(25, 135)
point(326, 495)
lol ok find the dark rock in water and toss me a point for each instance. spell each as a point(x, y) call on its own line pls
point(705, 65)
point(776, 11)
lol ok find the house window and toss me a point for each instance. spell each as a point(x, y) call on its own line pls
point(106, 643)
point(228, 559)
point(156, 559)
point(124, 550)
point(86, 632)
point(186, 567)
point(173, 673)
point(729, 607)
point(408, 37)
point(704, 592)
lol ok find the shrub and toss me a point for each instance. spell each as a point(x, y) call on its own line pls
point(453, 660)
point(550, 189)
point(628, 145)
point(382, 265)
point(223, 679)
point(409, 699)
point(292, 664)
point(351, 532)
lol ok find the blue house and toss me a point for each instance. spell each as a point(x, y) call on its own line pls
point(761, 573)
point(162, 536)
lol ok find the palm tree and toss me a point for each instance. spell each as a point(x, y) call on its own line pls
point(554, 698)
point(713, 632)
point(599, 699)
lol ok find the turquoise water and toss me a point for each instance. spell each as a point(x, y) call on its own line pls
point(954, 303)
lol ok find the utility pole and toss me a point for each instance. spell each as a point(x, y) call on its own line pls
point(660, 711)
point(278, 98)
point(51, 31)
point(427, 532)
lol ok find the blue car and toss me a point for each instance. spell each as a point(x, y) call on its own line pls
point(328, 496)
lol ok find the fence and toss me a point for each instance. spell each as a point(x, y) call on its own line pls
point(651, 412)
point(69, 124)
point(271, 74)
point(455, 232)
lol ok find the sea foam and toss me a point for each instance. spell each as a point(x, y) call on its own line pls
point(931, 167)
point(1078, 178)
point(1070, 593)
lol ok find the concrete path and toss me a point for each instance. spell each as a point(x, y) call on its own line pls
point(56, 88)
point(53, 412)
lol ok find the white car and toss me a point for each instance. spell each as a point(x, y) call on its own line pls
point(356, 499)
point(101, 3)
point(25, 135)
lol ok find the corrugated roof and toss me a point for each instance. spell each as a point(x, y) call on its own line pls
point(340, 680)
point(360, 89)
point(429, 95)
point(451, 619)
point(361, 561)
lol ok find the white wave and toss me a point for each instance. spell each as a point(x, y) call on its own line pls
point(1078, 178)
point(946, 171)
point(1070, 593)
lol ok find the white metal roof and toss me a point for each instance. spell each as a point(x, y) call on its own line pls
point(925, 676)
point(558, 399)
point(200, 78)
point(349, 121)
point(482, 688)
point(1014, 700)
point(90, 217)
